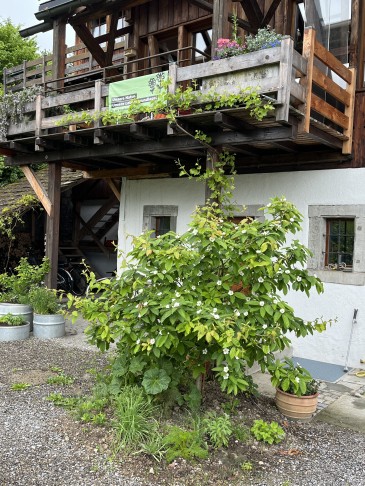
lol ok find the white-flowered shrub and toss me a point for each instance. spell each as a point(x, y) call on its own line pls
point(211, 298)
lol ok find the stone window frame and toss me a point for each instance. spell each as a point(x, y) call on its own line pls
point(318, 215)
point(152, 211)
point(251, 210)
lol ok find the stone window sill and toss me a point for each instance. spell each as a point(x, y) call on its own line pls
point(338, 277)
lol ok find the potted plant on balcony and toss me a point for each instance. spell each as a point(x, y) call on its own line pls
point(296, 390)
point(14, 288)
point(13, 328)
point(48, 320)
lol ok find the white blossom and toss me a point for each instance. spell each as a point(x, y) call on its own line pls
point(200, 273)
point(205, 351)
point(159, 294)
point(230, 292)
point(282, 311)
point(168, 306)
point(219, 282)
point(199, 311)
point(260, 279)
point(297, 379)
point(291, 220)
point(262, 303)
point(287, 272)
point(299, 279)
point(164, 272)
point(245, 313)
point(226, 369)
point(195, 231)
point(193, 287)
point(237, 313)
point(199, 303)
point(145, 304)
point(258, 251)
point(176, 304)
point(212, 239)
point(177, 294)
point(274, 259)
point(225, 351)
point(269, 205)
point(216, 316)
point(226, 376)
point(138, 341)
point(152, 341)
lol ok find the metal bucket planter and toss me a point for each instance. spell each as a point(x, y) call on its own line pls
point(48, 326)
point(294, 407)
point(14, 333)
point(23, 310)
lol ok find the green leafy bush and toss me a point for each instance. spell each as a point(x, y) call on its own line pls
point(271, 433)
point(12, 320)
point(44, 301)
point(292, 378)
point(186, 444)
point(219, 429)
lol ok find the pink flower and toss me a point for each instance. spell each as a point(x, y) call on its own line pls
point(223, 42)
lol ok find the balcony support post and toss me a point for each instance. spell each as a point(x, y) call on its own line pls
point(306, 81)
point(285, 79)
point(53, 222)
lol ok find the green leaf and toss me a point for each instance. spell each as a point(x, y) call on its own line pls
point(155, 381)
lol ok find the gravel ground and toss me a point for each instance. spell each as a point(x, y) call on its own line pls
point(42, 445)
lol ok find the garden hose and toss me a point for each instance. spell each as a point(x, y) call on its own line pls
point(360, 374)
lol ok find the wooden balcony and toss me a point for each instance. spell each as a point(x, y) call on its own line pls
point(311, 126)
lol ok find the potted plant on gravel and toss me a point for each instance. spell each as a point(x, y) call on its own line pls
point(13, 328)
point(48, 321)
point(296, 390)
point(14, 288)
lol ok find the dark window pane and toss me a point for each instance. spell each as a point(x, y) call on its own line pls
point(340, 241)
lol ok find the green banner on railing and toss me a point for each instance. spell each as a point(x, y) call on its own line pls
point(143, 88)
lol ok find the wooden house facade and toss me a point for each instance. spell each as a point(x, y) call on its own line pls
point(310, 147)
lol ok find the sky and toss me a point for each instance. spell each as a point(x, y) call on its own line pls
point(21, 12)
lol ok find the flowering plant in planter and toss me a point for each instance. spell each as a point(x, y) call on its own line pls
point(264, 39)
point(292, 378)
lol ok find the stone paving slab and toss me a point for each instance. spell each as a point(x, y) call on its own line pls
point(347, 411)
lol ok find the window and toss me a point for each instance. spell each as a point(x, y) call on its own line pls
point(161, 225)
point(337, 242)
point(161, 219)
point(340, 243)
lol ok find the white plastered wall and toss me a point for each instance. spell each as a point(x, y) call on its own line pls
point(327, 187)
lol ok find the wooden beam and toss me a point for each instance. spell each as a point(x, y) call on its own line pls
point(100, 213)
point(87, 38)
point(306, 81)
point(154, 50)
point(111, 183)
point(38, 188)
point(350, 112)
point(253, 12)
point(228, 121)
point(203, 4)
point(220, 25)
point(91, 233)
point(166, 145)
point(111, 38)
point(59, 51)
point(53, 222)
point(112, 173)
point(270, 13)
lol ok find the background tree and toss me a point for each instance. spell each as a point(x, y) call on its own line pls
point(13, 50)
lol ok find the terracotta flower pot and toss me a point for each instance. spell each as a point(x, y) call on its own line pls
point(294, 407)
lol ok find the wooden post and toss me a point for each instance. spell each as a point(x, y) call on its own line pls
point(59, 52)
point(53, 222)
point(306, 81)
point(39, 114)
point(285, 79)
point(349, 111)
point(221, 26)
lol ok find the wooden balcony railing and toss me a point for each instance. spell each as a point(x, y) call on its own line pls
point(302, 87)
